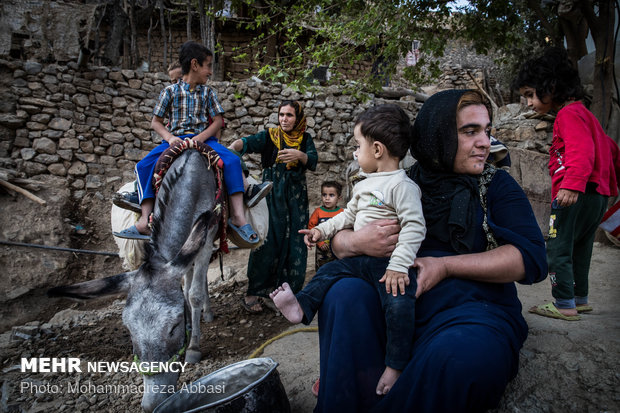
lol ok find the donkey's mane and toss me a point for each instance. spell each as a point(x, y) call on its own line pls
point(163, 196)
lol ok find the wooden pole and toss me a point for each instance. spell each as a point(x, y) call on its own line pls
point(22, 191)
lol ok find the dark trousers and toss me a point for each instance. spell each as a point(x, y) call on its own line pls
point(399, 311)
point(569, 246)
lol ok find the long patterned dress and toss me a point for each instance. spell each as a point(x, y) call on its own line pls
point(283, 255)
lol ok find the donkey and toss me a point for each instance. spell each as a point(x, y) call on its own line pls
point(155, 310)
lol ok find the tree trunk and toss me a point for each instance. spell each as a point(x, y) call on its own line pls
point(148, 40)
point(163, 33)
point(135, 58)
point(170, 52)
point(203, 22)
point(211, 42)
point(602, 29)
point(575, 29)
point(116, 35)
point(189, 20)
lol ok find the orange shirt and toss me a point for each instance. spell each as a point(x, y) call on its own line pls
point(322, 214)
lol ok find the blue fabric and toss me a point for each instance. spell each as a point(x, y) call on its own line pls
point(467, 334)
point(145, 169)
point(399, 311)
point(233, 174)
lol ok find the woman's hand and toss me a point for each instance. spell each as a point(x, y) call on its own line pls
point(291, 155)
point(376, 239)
point(503, 264)
point(236, 145)
point(431, 270)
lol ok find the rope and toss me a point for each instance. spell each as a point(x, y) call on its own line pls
point(259, 350)
point(47, 247)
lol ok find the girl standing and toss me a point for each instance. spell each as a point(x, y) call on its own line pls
point(584, 166)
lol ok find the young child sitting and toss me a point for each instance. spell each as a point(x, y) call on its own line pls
point(175, 72)
point(330, 195)
point(382, 135)
point(190, 103)
point(584, 165)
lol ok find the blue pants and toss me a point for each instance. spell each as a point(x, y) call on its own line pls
point(399, 311)
point(146, 168)
point(462, 357)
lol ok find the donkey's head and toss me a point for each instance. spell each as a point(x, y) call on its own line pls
point(155, 309)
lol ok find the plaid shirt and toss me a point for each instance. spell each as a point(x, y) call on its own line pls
point(189, 111)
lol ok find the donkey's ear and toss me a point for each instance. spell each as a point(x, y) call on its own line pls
point(195, 241)
point(115, 284)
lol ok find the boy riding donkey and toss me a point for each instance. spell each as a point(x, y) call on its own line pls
point(194, 113)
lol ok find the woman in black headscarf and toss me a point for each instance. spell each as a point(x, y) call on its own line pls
point(482, 237)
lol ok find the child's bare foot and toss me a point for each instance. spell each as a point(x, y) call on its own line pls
point(287, 303)
point(387, 380)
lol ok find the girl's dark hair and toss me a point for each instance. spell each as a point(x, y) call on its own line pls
point(388, 124)
point(192, 50)
point(552, 75)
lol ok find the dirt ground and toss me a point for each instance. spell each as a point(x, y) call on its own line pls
point(565, 366)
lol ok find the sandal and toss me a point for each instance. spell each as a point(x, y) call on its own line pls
point(127, 200)
point(132, 233)
point(584, 308)
point(245, 232)
point(268, 302)
point(249, 307)
point(256, 192)
point(551, 311)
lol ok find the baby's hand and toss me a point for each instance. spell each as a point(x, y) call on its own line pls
point(311, 236)
point(394, 280)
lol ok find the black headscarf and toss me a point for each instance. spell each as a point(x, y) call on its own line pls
point(449, 200)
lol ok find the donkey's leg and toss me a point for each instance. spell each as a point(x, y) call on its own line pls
point(187, 282)
point(196, 301)
point(207, 313)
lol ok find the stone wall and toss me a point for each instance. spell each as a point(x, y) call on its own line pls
point(80, 133)
point(91, 127)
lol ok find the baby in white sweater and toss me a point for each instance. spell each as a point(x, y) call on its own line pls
point(382, 135)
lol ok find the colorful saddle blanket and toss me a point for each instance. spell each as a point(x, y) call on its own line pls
point(221, 209)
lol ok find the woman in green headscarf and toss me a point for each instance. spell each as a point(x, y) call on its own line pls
point(286, 153)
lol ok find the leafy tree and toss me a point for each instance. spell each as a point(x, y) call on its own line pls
point(522, 27)
point(309, 33)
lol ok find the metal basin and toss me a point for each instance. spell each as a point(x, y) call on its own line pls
point(248, 386)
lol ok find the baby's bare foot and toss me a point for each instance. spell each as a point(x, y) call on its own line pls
point(287, 303)
point(387, 380)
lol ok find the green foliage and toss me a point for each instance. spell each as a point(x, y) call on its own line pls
point(510, 30)
point(292, 37)
point(341, 34)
